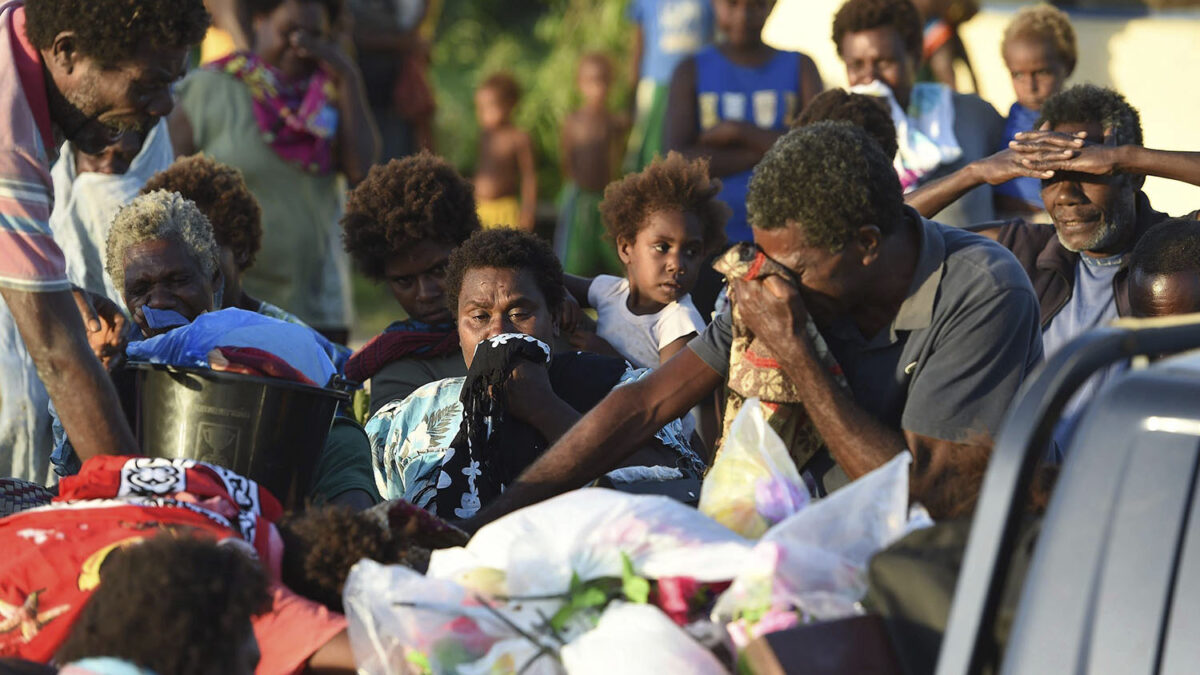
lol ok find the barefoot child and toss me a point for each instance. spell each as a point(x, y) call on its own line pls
point(665, 221)
point(505, 167)
point(1040, 53)
point(591, 138)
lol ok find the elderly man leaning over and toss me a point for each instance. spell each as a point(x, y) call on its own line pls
point(86, 70)
point(934, 328)
point(1089, 155)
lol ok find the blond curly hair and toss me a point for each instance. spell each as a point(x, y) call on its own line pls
point(1044, 21)
point(160, 215)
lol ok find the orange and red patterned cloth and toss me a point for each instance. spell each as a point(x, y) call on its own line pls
point(755, 373)
point(52, 554)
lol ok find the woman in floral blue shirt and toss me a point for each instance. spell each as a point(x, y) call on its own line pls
point(501, 283)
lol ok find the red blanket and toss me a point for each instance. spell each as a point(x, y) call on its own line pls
point(52, 555)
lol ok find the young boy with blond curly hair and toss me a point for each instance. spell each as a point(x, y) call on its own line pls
point(1040, 53)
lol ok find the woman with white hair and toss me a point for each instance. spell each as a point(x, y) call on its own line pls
point(162, 257)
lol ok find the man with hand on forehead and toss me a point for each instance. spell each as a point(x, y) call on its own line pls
point(934, 329)
point(83, 71)
point(1088, 153)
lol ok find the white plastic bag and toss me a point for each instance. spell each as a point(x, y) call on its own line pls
point(586, 532)
point(487, 607)
point(754, 483)
point(638, 640)
point(816, 560)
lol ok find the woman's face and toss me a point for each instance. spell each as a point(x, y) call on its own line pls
point(417, 281)
point(161, 274)
point(275, 36)
point(495, 301)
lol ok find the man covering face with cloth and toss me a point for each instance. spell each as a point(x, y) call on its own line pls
point(933, 329)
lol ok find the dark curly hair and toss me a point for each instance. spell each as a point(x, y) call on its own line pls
point(333, 8)
point(829, 178)
point(321, 545)
point(505, 86)
point(177, 605)
point(673, 183)
point(402, 203)
point(1171, 247)
point(857, 16)
point(868, 112)
point(220, 192)
point(1089, 104)
point(506, 249)
point(113, 31)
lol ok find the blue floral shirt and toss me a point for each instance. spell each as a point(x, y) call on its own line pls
point(410, 441)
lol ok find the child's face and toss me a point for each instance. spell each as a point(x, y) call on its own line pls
point(1037, 72)
point(741, 21)
point(663, 261)
point(593, 83)
point(491, 110)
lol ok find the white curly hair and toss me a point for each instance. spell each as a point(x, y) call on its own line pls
point(160, 215)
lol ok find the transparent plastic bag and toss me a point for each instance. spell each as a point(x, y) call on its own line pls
point(401, 621)
point(815, 561)
point(753, 484)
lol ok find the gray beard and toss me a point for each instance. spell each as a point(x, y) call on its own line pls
point(1106, 234)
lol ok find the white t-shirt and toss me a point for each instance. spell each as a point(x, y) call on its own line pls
point(639, 337)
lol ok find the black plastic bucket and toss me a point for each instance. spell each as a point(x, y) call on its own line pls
point(270, 430)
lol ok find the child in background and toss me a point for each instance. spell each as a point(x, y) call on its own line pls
point(1040, 53)
point(505, 167)
point(591, 146)
point(665, 221)
point(731, 101)
point(665, 33)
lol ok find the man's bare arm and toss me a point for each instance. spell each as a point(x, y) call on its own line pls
point(1105, 158)
point(78, 385)
point(858, 442)
point(609, 434)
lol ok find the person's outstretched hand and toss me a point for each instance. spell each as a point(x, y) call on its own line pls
point(106, 326)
